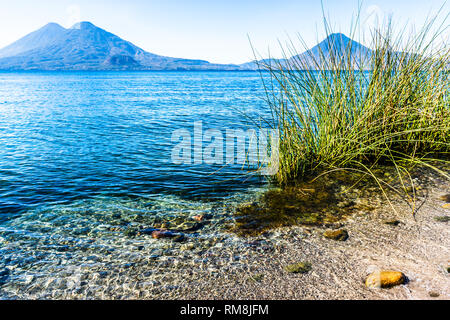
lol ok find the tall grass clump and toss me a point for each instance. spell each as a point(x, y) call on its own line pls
point(346, 108)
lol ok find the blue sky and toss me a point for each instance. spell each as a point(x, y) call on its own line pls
point(211, 30)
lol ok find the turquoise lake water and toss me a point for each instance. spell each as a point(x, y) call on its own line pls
point(81, 152)
point(73, 136)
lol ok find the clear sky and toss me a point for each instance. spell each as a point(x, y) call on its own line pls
point(207, 29)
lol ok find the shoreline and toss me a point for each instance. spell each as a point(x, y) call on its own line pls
point(215, 263)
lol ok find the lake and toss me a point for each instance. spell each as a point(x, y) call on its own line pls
point(69, 136)
point(86, 156)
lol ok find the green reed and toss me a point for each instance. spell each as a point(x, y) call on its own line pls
point(339, 111)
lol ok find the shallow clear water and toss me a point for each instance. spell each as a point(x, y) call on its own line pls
point(81, 153)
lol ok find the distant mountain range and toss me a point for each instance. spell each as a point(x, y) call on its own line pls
point(335, 47)
point(87, 47)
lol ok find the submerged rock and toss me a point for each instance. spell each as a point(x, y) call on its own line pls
point(159, 234)
point(201, 217)
point(446, 206)
point(338, 235)
point(385, 279)
point(300, 267)
point(162, 233)
point(445, 197)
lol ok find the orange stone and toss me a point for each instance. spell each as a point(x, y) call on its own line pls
point(385, 279)
point(160, 234)
point(198, 218)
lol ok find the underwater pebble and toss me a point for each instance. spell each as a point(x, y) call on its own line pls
point(187, 247)
point(162, 234)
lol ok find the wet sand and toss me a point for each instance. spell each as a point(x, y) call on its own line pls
point(419, 247)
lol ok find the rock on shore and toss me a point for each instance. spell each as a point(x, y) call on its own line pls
point(385, 279)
